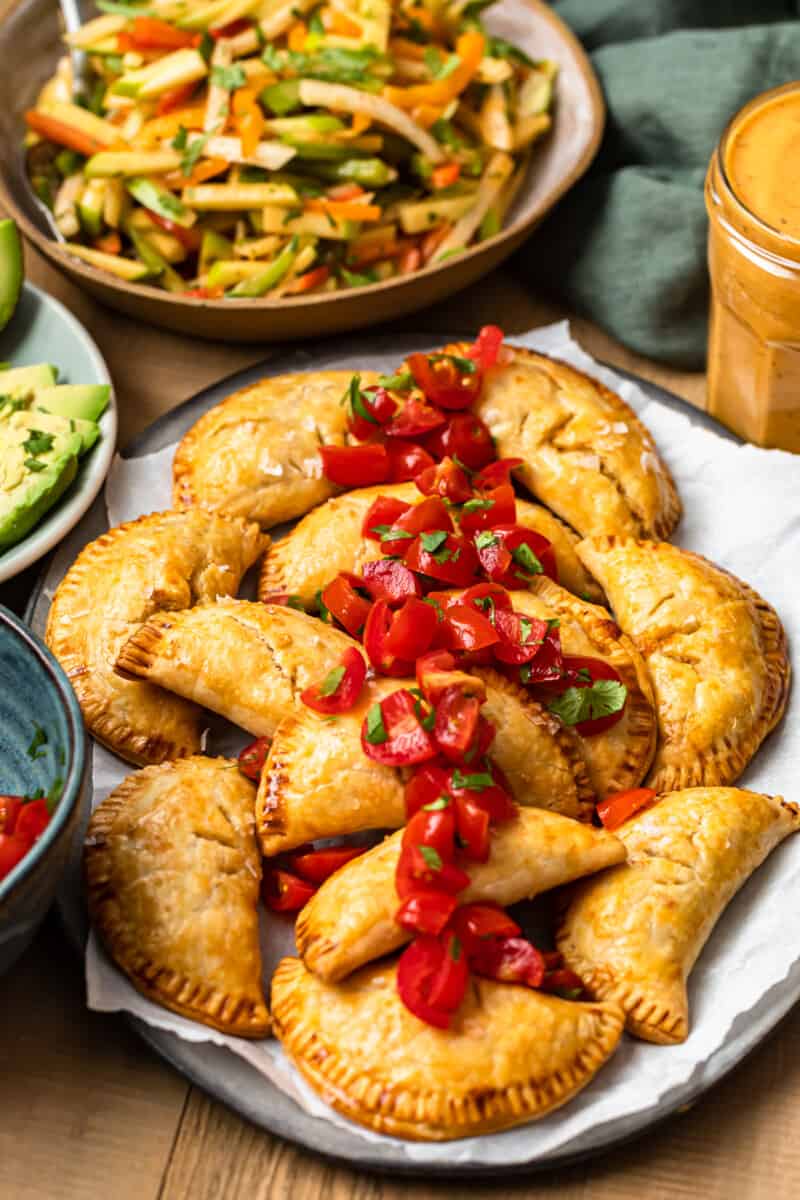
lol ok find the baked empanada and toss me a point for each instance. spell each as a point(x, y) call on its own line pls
point(318, 782)
point(167, 560)
point(329, 540)
point(511, 1055)
point(585, 453)
point(350, 920)
point(716, 654)
point(634, 932)
point(256, 454)
point(172, 875)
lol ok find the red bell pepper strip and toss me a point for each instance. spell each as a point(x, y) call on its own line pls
point(231, 29)
point(151, 34)
point(392, 732)
point(445, 479)
point(315, 866)
point(447, 381)
point(619, 807)
point(175, 98)
point(190, 239)
point(284, 892)
point(61, 133)
point(355, 466)
point(344, 603)
point(340, 689)
point(252, 758)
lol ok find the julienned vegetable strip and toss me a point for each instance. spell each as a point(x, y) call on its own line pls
point(244, 120)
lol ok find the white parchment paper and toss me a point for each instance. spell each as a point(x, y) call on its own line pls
point(742, 510)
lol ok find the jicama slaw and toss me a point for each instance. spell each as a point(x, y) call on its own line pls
point(246, 148)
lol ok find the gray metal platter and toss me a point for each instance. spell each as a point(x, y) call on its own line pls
point(216, 1070)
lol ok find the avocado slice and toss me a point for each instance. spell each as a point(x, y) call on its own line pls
point(36, 468)
point(19, 381)
point(11, 270)
point(47, 422)
point(85, 401)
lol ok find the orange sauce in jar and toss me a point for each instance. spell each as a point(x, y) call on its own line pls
point(753, 203)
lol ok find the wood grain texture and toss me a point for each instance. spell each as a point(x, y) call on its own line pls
point(88, 1113)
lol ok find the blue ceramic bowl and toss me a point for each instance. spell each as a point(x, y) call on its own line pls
point(35, 694)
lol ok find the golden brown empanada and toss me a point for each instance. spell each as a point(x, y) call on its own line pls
point(716, 654)
point(350, 920)
point(256, 454)
point(318, 782)
point(634, 932)
point(329, 540)
point(161, 561)
point(511, 1055)
point(172, 875)
point(585, 453)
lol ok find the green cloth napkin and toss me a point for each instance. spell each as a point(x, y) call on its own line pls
point(627, 246)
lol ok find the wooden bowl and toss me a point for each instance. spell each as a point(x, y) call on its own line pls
point(29, 46)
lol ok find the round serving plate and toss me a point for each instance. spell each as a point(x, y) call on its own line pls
point(226, 1076)
point(43, 330)
point(32, 28)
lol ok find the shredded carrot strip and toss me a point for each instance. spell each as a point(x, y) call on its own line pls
point(469, 48)
point(345, 211)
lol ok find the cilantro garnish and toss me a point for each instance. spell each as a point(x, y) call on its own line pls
point(331, 682)
point(34, 465)
point(478, 505)
point(440, 68)
point(180, 139)
point(295, 602)
point(38, 740)
point(455, 948)
point(432, 857)
point(38, 442)
point(553, 623)
point(524, 556)
point(602, 699)
point(388, 533)
point(486, 539)
point(397, 383)
point(525, 629)
point(354, 396)
point(356, 278)
point(437, 805)
point(499, 48)
point(322, 608)
point(375, 732)
point(474, 783)
point(228, 78)
point(467, 366)
point(54, 793)
point(434, 540)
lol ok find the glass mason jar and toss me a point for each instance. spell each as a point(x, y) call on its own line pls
point(754, 260)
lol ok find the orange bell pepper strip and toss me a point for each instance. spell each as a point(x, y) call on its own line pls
point(150, 34)
point(402, 48)
point(297, 35)
point(427, 114)
point(207, 169)
point(346, 191)
point(109, 243)
point(174, 98)
point(373, 250)
point(61, 133)
point(345, 210)
point(469, 48)
point(309, 281)
point(445, 175)
point(248, 120)
point(167, 125)
point(336, 22)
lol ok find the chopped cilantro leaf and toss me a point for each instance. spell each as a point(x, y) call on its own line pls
point(38, 442)
point(478, 505)
point(33, 464)
point(432, 857)
point(477, 782)
point(375, 732)
point(455, 948)
point(295, 602)
point(437, 805)
point(602, 699)
point(322, 608)
point(486, 539)
point(331, 682)
point(524, 556)
point(525, 629)
point(180, 139)
point(401, 382)
point(434, 540)
point(38, 740)
point(228, 78)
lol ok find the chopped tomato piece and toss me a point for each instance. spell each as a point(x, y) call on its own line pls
point(447, 557)
point(406, 460)
point(429, 514)
point(344, 603)
point(416, 969)
point(521, 637)
point(466, 629)
point(449, 982)
point(341, 687)
point(436, 672)
point(619, 807)
point(32, 820)
point(434, 829)
point(382, 514)
point(316, 866)
point(415, 419)
point(390, 580)
point(428, 785)
point(508, 959)
point(495, 474)
point(9, 811)
point(495, 507)
point(109, 243)
point(447, 480)
point(472, 823)
point(465, 439)
point(475, 922)
point(547, 669)
point(355, 466)
point(252, 758)
point(426, 912)
point(393, 734)
point(456, 723)
point(285, 892)
point(487, 784)
point(414, 874)
point(487, 346)
point(485, 598)
point(447, 381)
point(411, 631)
point(376, 632)
point(13, 849)
point(512, 555)
point(369, 409)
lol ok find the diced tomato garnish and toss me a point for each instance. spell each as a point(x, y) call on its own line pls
point(487, 345)
point(495, 507)
point(447, 480)
point(369, 409)
point(32, 820)
point(390, 580)
point(475, 922)
point(547, 669)
point(521, 637)
point(355, 466)
point(416, 969)
point(344, 603)
point(414, 875)
point(465, 438)
point(407, 460)
point(429, 514)
point(13, 849)
point(411, 631)
point(508, 959)
point(415, 419)
point(341, 687)
point(456, 725)
point(447, 382)
point(392, 732)
point(495, 474)
point(472, 823)
point(466, 629)
point(427, 785)
point(284, 892)
point(437, 671)
point(426, 912)
point(450, 558)
point(376, 631)
point(316, 866)
point(488, 785)
point(449, 983)
point(485, 598)
point(383, 512)
point(252, 758)
point(512, 555)
point(9, 811)
point(619, 807)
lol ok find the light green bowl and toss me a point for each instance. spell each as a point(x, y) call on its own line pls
point(43, 330)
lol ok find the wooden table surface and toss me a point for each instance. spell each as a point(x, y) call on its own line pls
point(89, 1112)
